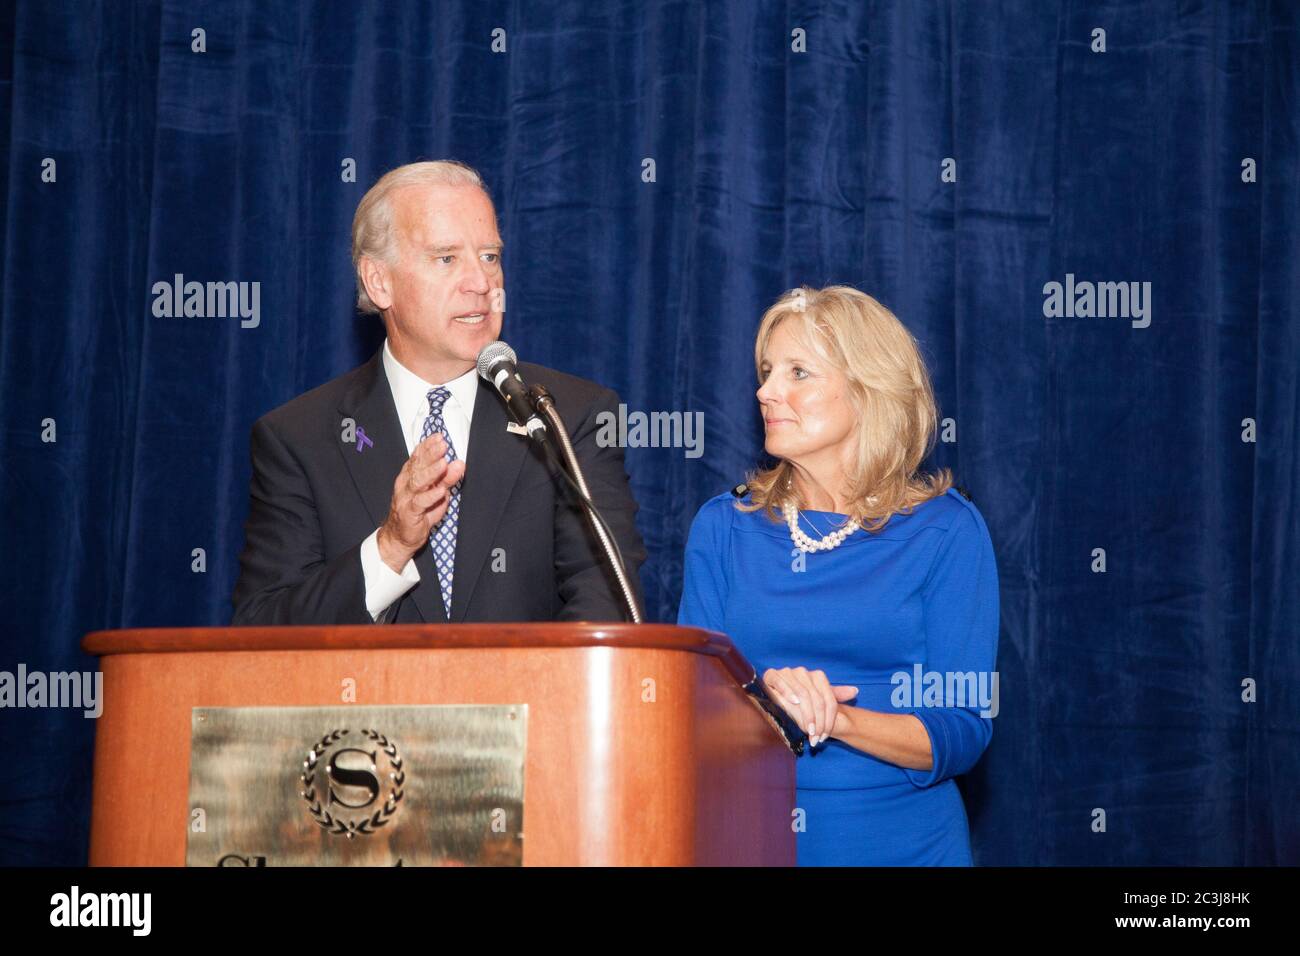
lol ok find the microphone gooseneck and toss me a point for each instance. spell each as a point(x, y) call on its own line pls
point(534, 408)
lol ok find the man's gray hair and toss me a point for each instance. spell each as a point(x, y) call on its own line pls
point(372, 226)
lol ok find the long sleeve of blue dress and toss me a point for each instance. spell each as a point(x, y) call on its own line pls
point(960, 600)
point(706, 569)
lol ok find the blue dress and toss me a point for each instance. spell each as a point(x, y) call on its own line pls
point(885, 612)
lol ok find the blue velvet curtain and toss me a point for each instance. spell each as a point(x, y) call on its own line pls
point(949, 158)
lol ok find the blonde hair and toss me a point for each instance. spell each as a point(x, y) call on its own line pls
point(890, 391)
point(372, 225)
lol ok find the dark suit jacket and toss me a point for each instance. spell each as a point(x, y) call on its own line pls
point(315, 498)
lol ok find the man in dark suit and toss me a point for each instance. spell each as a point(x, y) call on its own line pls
point(401, 491)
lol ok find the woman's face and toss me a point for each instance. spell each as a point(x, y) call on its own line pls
point(807, 408)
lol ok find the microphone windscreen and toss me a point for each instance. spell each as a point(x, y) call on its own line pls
point(491, 354)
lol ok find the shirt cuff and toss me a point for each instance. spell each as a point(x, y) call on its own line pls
point(383, 584)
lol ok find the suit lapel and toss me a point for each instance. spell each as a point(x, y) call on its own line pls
point(370, 404)
point(495, 457)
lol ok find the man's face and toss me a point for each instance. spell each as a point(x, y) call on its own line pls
point(444, 290)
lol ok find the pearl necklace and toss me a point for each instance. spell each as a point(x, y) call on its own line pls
point(805, 543)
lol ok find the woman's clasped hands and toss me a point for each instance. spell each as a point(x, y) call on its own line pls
point(810, 699)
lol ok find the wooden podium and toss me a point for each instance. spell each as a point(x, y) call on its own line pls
point(642, 747)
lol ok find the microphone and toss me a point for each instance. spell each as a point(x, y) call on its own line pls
point(496, 365)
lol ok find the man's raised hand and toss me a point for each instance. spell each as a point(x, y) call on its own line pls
point(421, 494)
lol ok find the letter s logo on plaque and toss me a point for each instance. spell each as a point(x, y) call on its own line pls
point(351, 783)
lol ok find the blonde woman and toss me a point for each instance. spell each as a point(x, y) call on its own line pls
point(844, 574)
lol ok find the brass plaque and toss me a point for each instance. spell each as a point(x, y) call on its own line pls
point(357, 786)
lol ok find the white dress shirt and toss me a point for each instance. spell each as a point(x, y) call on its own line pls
point(411, 398)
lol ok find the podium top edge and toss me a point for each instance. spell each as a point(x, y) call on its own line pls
point(181, 640)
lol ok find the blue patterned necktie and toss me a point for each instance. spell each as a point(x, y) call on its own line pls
point(443, 538)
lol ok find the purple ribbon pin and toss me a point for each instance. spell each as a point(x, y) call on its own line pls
point(362, 440)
